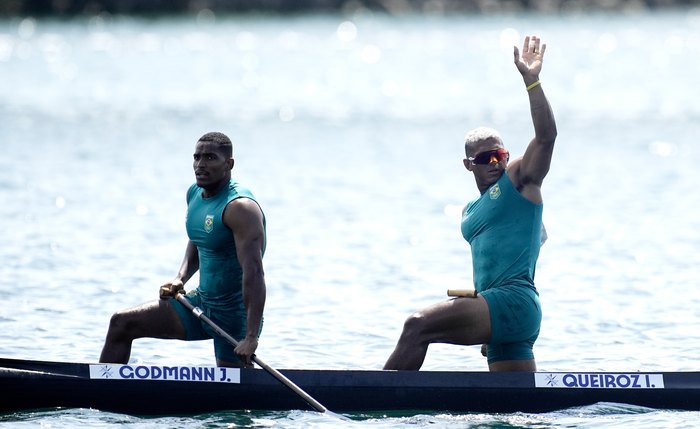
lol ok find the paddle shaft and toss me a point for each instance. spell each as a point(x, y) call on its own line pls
point(278, 375)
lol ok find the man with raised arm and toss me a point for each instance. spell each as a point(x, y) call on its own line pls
point(226, 230)
point(504, 228)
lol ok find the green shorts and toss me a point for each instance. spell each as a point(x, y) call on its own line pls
point(233, 321)
point(516, 316)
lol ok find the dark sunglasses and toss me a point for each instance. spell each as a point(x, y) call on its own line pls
point(484, 158)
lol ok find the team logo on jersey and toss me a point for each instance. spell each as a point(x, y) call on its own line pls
point(495, 192)
point(209, 223)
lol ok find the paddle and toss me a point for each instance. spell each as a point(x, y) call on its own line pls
point(465, 293)
point(278, 375)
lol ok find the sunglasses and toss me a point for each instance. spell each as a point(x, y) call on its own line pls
point(484, 158)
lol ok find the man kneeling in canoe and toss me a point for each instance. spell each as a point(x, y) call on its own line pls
point(226, 230)
point(504, 228)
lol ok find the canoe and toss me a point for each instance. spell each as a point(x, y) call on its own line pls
point(140, 389)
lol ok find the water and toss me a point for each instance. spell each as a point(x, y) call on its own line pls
point(349, 131)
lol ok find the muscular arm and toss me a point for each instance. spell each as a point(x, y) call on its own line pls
point(189, 266)
point(529, 172)
point(244, 217)
point(190, 263)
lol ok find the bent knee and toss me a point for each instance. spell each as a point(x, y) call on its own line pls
point(414, 325)
point(120, 323)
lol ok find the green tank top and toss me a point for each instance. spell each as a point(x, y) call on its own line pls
point(220, 273)
point(504, 230)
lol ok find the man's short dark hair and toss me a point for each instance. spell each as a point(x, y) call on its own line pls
point(221, 140)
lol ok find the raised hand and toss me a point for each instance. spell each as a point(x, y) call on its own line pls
point(530, 63)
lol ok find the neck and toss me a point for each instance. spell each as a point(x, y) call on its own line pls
point(215, 188)
point(484, 186)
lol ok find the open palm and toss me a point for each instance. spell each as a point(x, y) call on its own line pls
point(530, 62)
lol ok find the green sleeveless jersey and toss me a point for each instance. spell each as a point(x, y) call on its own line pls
point(220, 273)
point(504, 230)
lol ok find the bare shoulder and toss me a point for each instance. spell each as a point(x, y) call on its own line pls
point(527, 188)
point(242, 211)
point(244, 204)
point(245, 219)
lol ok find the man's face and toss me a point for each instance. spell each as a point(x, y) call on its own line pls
point(487, 160)
point(211, 166)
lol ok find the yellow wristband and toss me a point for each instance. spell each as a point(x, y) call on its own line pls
point(532, 85)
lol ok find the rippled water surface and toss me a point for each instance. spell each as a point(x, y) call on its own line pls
point(349, 131)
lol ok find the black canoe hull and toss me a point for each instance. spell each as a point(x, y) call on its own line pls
point(30, 384)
